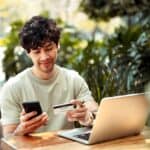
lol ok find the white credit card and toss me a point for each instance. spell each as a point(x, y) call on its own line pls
point(63, 108)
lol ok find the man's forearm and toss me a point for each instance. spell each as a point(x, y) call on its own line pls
point(9, 129)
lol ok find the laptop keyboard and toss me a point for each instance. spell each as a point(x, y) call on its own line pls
point(84, 136)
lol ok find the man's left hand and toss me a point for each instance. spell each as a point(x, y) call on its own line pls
point(80, 113)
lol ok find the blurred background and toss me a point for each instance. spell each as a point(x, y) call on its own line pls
point(106, 41)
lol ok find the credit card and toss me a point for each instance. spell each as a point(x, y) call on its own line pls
point(63, 108)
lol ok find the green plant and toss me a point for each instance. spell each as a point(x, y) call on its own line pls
point(128, 49)
point(121, 60)
point(14, 62)
point(105, 10)
point(130, 55)
point(114, 65)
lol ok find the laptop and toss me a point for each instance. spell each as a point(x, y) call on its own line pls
point(117, 117)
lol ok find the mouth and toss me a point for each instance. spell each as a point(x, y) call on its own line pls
point(45, 62)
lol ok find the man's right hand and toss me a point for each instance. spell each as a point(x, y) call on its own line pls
point(28, 125)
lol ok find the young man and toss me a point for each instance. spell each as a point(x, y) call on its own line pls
point(45, 82)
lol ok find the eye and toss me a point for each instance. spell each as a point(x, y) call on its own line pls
point(49, 48)
point(36, 52)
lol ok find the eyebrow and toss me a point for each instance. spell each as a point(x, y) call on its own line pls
point(38, 48)
point(46, 46)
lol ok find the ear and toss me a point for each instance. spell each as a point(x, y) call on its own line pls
point(58, 46)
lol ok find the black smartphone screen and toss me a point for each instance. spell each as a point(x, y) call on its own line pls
point(32, 106)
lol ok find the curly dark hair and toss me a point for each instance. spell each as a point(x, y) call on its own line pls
point(37, 31)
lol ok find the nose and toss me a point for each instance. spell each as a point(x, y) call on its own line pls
point(44, 55)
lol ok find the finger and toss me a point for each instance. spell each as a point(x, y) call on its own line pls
point(78, 103)
point(23, 112)
point(69, 116)
point(27, 116)
point(76, 116)
point(36, 126)
point(45, 121)
point(25, 127)
point(35, 119)
point(38, 123)
point(43, 117)
point(34, 123)
point(78, 110)
point(32, 128)
point(79, 115)
point(70, 113)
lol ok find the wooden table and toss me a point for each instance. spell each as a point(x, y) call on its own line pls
point(50, 141)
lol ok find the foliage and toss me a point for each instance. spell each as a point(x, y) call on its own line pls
point(121, 60)
point(114, 65)
point(130, 57)
point(13, 62)
point(106, 9)
point(128, 49)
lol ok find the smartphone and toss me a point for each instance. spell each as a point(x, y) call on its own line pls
point(32, 106)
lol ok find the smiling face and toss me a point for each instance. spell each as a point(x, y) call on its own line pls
point(44, 58)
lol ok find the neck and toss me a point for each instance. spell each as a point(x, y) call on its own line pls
point(43, 75)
